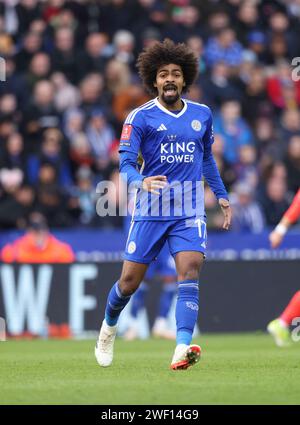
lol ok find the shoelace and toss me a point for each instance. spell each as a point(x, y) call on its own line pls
point(105, 342)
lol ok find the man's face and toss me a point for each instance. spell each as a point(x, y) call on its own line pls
point(169, 83)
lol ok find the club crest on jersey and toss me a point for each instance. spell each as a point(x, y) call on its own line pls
point(126, 132)
point(131, 247)
point(196, 125)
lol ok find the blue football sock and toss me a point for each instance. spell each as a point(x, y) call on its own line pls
point(115, 304)
point(186, 310)
point(166, 298)
point(138, 300)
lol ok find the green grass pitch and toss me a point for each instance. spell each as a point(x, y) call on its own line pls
point(234, 369)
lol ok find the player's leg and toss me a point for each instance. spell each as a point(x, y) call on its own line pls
point(138, 302)
point(188, 265)
point(279, 328)
point(144, 242)
point(118, 298)
point(187, 242)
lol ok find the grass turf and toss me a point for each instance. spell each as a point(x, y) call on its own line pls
point(234, 369)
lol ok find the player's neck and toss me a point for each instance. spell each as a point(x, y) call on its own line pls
point(177, 106)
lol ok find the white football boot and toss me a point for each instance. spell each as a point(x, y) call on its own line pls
point(185, 356)
point(104, 350)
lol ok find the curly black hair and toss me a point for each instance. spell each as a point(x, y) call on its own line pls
point(159, 54)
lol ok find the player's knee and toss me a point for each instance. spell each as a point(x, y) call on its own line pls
point(191, 271)
point(128, 284)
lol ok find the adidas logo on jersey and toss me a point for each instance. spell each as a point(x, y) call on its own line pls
point(162, 127)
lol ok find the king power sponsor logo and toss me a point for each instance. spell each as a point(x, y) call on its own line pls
point(177, 152)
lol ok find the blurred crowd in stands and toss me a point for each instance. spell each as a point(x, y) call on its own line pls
point(71, 81)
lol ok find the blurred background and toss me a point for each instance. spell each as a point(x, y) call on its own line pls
point(71, 81)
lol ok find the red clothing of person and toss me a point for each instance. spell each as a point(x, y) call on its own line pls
point(276, 95)
point(25, 250)
point(293, 213)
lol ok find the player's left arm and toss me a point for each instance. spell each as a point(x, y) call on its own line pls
point(212, 175)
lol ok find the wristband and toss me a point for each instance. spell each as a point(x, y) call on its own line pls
point(281, 229)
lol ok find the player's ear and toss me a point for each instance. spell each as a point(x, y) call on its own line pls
point(154, 84)
point(183, 84)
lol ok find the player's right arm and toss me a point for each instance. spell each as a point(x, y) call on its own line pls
point(130, 142)
point(289, 217)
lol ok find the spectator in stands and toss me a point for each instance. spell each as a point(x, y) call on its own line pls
point(280, 25)
point(39, 69)
point(82, 202)
point(117, 76)
point(66, 95)
point(41, 114)
point(292, 162)
point(224, 47)
point(218, 85)
point(247, 215)
point(7, 128)
point(7, 47)
point(95, 55)
point(282, 90)
point(32, 44)
point(38, 245)
point(8, 108)
point(13, 156)
point(255, 95)
point(64, 56)
point(51, 199)
point(51, 152)
point(234, 130)
point(228, 173)
point(127, 99)
point(74, 120)
point(81, 152)
point(197, 45)
point(274, 200)
point(92, 93)
point(27, 11)
point(248, 20)
point(265, 135)
point(257, 43)
point(124, 43)
point(16, 201)
point(246, 168)
point(100, 136)
point(289, 125)
point(185, 22)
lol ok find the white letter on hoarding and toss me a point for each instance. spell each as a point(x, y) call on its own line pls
point(22, 300)
point(79, 302)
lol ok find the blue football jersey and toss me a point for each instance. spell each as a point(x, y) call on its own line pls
point(171, 144)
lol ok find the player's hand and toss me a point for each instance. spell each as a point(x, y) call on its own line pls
point(275, 239)
point(226, 210)
point(154, 183)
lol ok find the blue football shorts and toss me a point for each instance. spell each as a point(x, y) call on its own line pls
point(146, 238)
